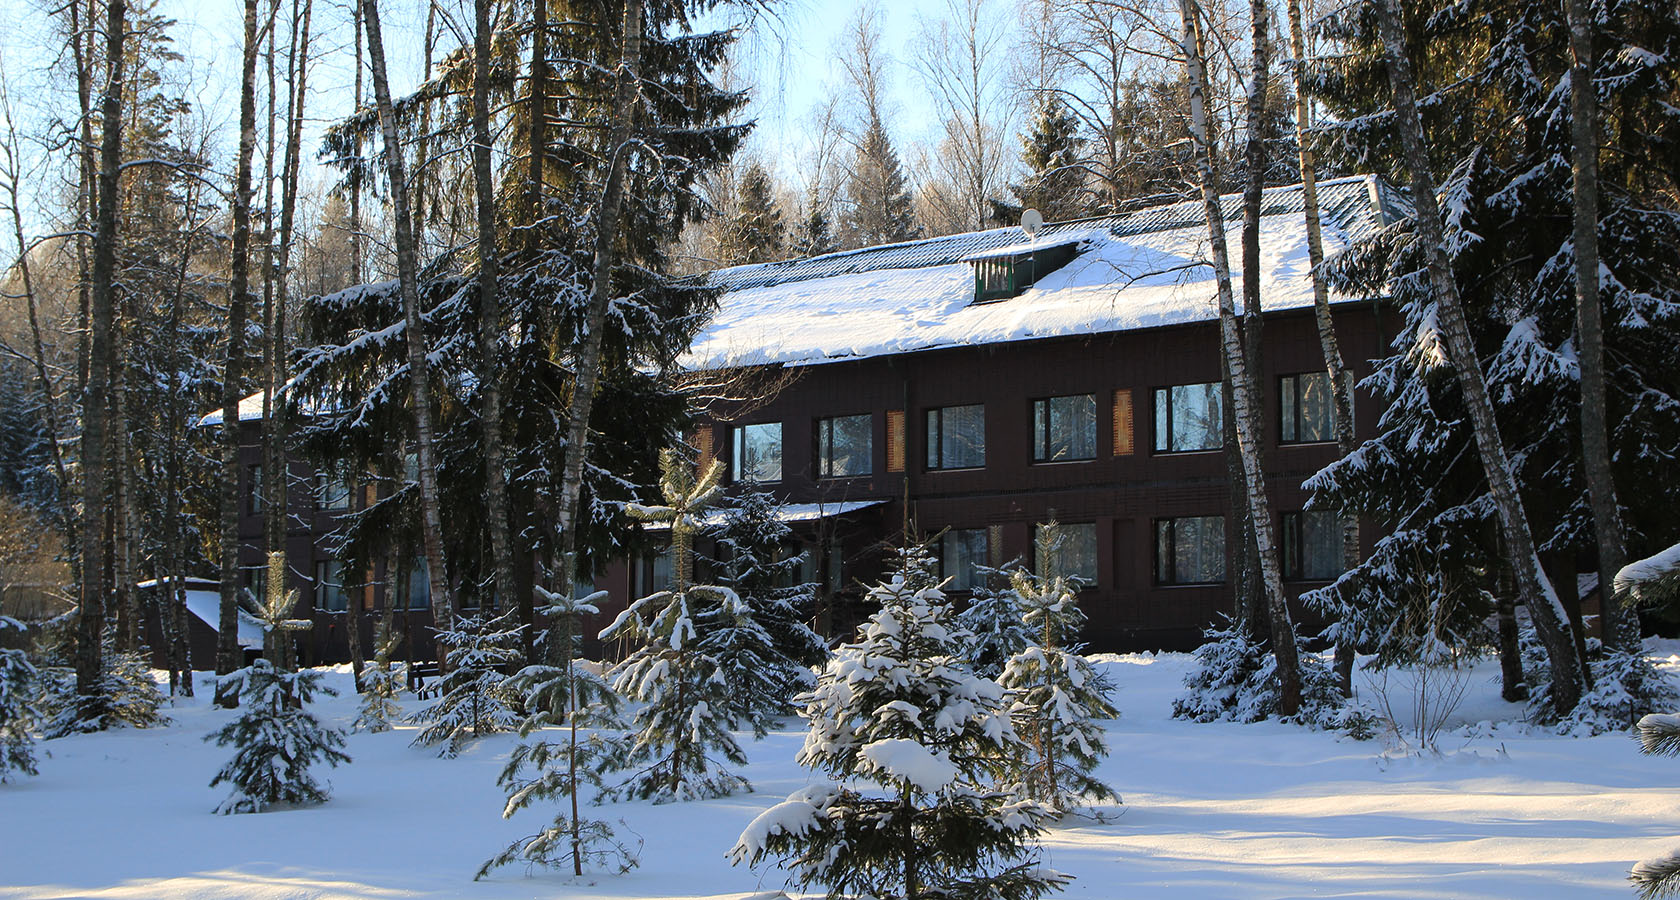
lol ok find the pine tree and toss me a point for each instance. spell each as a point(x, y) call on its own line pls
point(18, 688)
point(277, 739)
point(764, 658)
point(1052, 153)
point(683, 724)
point(380, 684)
point(474, 699)
point(557, 771)
point(878, 205)
point(1055, 695)
point(814, 236)
point(754, 231)
point(913, 739)
point(993, 618)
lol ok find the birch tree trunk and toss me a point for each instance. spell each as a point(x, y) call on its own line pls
point(489, 334)
point(1341, 382)
point(1621, 622)
point(626, 90)
point(408, 279)
point(1568, 670)
point(227, 631)
point(1250, 574)
point(90, 618)
point(1259, 506)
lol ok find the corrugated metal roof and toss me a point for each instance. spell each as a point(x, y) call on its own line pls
point(1358, 205)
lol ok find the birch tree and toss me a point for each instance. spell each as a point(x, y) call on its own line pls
point(1246, 417)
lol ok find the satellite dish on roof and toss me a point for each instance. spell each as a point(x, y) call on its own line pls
point(1032, 221)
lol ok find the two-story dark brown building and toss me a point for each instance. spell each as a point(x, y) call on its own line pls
point(979, 385)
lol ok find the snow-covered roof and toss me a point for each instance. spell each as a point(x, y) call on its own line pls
point(1060, 240)
point(206, 606)
point(1140, 269)
point(789, 513)
point(250, 410)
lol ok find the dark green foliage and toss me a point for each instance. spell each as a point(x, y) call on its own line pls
point(754, 231)
point(277, 739)
point(128, 696)
point(18, 696)
point(878, 209)
point(474, 699)
point(1236, 680)
point(1053, 155)
point(1659, 735)
point(914, 739)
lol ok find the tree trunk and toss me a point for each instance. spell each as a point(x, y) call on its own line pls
point(1259, 506)
point(228, 655)
point(1513, 686)
point(1621, 623)
point(122, 488)
point(621, 130)
point(538, 150)
point(408, 278)
point(1341, 382)
point(1567, 668)
point(489, 336)
point(90, 618)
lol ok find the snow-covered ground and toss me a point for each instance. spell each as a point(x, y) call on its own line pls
point(1215, 811)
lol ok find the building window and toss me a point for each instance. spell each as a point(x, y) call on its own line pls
point(758, 452)
point(329, 586)
point(253, 489)
point(256, 584)
point(1189, 417)
point(1312, 545)
point(1065, 428)
point(960, 551)
point(1073, 554)
point(653, 574)
point(416, 586)
point(1305, 408)
point(1190, 550)
point(994, 279)
point(956, 437)
point(332, 490)
point(844, 446)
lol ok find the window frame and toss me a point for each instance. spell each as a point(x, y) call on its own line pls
point(1291, 545)
point(973, 578)
point(327, 479)
point(1084, 583)
point(1161, 579)
point(253, 489)
point(1161, 438)
point(737, 443)
point(1040, 436)
point(1294, 378)
point(825, 446)
point(324, 587)
point(936, 443)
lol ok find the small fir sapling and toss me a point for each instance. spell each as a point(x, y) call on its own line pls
point(19, 686)
point(913, 739)
point(277, 740)
point(130, 695)
point(765, 658)
point(473, 697)
point(380, 682)
point(993, 617)
point(682, 726)
point(1235, 680)
point(556, 771)
point(1055, 695)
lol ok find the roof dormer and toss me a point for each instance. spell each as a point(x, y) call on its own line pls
point(1007, 271)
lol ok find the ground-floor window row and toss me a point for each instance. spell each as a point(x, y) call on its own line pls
point(1184, 418)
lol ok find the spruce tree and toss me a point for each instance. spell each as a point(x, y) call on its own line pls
point(815, 236)
point(754, 231)
point(1052, 153)
point(474, 699)
point(19, 683)
point(913, 740)
point(878, 206)
point(764, 658)
point(557, 771)
point(683, 724)
point(380, 684)
point(1054, 693)
point(277, 739)
point(993, 619)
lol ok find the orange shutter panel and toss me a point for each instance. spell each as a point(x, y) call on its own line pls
point(703, 444)
point(895, 440)
point(1123, 423)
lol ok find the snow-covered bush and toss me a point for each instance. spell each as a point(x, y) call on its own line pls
point(1055, 696)
point(277, 740)
point(993, 620)
point(127, 693)
point(1625, 686)
point(1236, 680)
point(19, 683)
point(380, 684)
point(544, 771)
point(913, 739)
point(473, 699)
point(682, 727)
